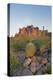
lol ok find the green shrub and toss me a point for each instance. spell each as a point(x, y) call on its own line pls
point(49, 69)
point(19, 45)
point(39, 42)
point(14, 63)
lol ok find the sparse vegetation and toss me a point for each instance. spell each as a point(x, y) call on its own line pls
point(49, 69)
point(30, 47)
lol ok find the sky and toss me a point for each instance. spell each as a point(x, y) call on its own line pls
point(22, 15)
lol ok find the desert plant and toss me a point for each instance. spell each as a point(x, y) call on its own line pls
point(49, 69)
point(30, 50)
point(14, 63)
point(39, 42)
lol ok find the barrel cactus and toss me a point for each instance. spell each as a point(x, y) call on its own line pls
point(30, 50)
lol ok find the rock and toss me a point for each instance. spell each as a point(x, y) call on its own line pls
point(41, 69)
point(49, 59)
point(37, 51)
point(39, 66)
point(34, 58)
point(39, 72)
point(27, 62)
point(33, 67)
point(21, 56)
point(26, 72)
point(46, 55)
point(44, 69)
point(44, 61)
point(39, 59)
point(18, 71)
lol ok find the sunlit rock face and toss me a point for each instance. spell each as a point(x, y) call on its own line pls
point(30, 30)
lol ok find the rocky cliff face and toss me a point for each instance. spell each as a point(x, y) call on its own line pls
point(30, 30)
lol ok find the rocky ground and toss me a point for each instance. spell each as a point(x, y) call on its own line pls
point(35, 65)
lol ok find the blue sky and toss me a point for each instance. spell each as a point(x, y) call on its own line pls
point(23, 15)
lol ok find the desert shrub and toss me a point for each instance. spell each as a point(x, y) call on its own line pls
point(14, 63)
point(21, 42)
point(30, 50)
point(39, 42)
point(14, 66)
point(19, 45)
point(49, 69)
point(23, 38)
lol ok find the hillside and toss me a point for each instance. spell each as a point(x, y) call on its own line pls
point(30, 52)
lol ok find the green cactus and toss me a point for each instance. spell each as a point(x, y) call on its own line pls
point(30, 50)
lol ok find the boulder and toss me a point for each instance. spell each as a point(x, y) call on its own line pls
point(33, 67)
point(27, 62)
point(26, 72)
point(34, 59)
point(39, 59)
point(44, 61)
point(42, 70)
point(21, 56)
